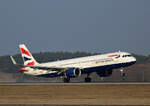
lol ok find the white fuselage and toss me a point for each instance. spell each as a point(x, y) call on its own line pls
point(85, 62)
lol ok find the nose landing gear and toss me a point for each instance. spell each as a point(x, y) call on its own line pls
point(123, 74)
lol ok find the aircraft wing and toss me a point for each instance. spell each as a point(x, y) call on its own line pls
point(59, 69)
point(43, 67)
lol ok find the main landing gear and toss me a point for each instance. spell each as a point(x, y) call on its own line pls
point(88, 79)
point(66, 80)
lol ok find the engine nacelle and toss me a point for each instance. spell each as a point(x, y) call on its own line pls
point(105, 73)
point(73, 72)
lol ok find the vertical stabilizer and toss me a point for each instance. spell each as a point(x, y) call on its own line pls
point(27, 56)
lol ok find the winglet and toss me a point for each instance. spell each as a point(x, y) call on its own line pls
point(13, 60)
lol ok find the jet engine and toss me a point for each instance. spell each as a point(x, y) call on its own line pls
point(73, 72)
point(104, 73)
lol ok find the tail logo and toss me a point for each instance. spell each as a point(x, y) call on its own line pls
point(27, 56)
point(23, 51)
point(26, 59)
point(31, 63)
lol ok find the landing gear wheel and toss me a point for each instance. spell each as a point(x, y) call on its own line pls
point(123, 74)
point(66, 80)
point(88, 79)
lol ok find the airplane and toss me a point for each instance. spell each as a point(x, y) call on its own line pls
point(102, 64)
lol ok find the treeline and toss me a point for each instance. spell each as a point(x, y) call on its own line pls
point(7, 66)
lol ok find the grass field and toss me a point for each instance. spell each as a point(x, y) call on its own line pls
point(76, 94)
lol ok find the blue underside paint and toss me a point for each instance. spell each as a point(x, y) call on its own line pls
point(93, 69)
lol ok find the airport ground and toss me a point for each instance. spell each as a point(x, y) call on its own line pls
point(75, 94)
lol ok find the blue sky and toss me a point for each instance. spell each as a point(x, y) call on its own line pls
point(75, 25)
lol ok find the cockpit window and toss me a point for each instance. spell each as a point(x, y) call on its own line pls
point(126, 55)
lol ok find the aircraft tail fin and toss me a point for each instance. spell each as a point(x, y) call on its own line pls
point(27, 56)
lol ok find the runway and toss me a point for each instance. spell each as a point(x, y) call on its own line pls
point(75, 93)
point(43, 83)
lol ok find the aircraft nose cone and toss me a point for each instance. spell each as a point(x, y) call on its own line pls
point(134, 59)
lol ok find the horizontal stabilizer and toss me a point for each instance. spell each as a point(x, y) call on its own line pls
point(13, 60)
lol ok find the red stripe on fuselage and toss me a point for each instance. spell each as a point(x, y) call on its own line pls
point(22, 69)
point(114, 55)
point(23, 51)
